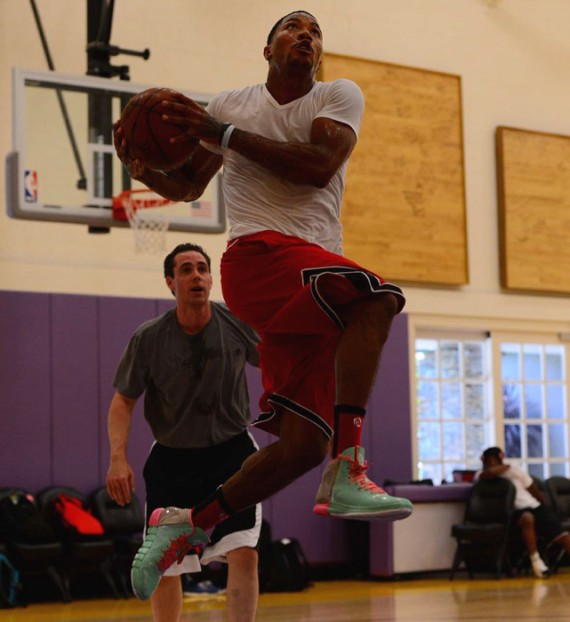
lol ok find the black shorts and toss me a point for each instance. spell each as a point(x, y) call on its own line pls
point(547, 523)
point(184, 477)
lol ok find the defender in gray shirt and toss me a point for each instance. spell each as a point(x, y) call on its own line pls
point(190, 365)
point(194, 384)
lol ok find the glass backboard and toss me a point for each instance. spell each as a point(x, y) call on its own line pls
point(63, 166)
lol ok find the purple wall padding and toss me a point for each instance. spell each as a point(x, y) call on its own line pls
point(388, 418)
point(75, 391)
point(25, 390)
point(59, 358)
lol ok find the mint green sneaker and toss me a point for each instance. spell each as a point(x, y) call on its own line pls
point(346, 492)
point(169, 537)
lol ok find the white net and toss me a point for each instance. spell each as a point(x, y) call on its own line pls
point(148, 216)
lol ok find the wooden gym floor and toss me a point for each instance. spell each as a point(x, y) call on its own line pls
point(523, 599)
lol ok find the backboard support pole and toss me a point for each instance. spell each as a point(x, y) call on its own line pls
point(82, 181)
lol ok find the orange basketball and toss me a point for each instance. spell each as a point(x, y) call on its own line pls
point(148, 136)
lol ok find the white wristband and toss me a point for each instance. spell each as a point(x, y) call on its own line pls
point(226, 136)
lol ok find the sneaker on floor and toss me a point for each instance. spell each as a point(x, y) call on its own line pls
point(539, 568)
point(169, 537)
point(346, 492)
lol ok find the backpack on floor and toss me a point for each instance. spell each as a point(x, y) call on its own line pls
point(288, 569)
point(21, 520)
point(75, 518)
point(10, 587)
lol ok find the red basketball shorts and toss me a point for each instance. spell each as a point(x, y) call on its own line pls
point(293, 294)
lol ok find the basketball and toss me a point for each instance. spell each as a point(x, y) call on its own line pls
point(148, 136)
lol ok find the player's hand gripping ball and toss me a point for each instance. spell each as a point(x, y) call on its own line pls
point(148, 136)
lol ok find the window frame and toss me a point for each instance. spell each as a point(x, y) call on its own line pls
point(462, 336)
point(497, 330)
point(524, 338)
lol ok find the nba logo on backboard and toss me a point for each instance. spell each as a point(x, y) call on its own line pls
point(31, 186)
point(202, 208)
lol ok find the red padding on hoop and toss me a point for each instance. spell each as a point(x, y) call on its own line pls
point(118, 206)
point(118, 209)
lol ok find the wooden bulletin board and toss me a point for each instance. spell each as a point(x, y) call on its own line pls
point(404, 208)
point(533, 172)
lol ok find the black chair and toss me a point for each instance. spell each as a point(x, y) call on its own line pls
point(541, 485)
point(558, 489)
point(30, 541)
point(483, 536)
point(125, 526)
point(94, 554)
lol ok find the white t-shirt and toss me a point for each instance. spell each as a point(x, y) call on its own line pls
point(522, 480)
point(257, 200)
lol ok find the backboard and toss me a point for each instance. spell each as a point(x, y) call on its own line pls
point(63, 166)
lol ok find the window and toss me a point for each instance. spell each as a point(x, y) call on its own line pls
point(534, 407)
point(453, 420)
point(473, 390)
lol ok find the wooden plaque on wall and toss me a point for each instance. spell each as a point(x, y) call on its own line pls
point(404, 208)
point(533, 174)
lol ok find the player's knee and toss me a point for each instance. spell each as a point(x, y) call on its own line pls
point(310, 452)
point(375, 312)
point(302, 455)
point(243, 557)
point(384, 309)
point(302, 445)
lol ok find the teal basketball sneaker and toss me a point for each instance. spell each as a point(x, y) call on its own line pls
point(169, 537)
point(346, 492)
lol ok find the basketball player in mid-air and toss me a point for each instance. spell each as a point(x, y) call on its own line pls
point(322, 319)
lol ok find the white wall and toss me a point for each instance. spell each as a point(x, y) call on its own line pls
point(513, 57)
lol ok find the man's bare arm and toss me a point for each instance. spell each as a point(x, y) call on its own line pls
point(120, 476)
point(535, 492)
point(312, 163)
point(188, 182)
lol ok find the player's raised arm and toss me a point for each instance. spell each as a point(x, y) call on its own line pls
point(312, 163)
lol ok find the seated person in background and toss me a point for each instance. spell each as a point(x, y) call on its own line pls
point(531, 514)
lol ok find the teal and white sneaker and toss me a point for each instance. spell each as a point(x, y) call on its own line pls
point(346, 492)
point(169, 537)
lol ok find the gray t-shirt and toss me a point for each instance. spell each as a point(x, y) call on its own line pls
point(195, 386)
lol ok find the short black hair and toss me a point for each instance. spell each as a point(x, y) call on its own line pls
point(183, 248)
point(280, 21)
point(494, 452)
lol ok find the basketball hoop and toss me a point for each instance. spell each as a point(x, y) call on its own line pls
point(147, 217)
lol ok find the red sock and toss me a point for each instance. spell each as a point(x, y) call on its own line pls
point(348, 422)
point(212, 511)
